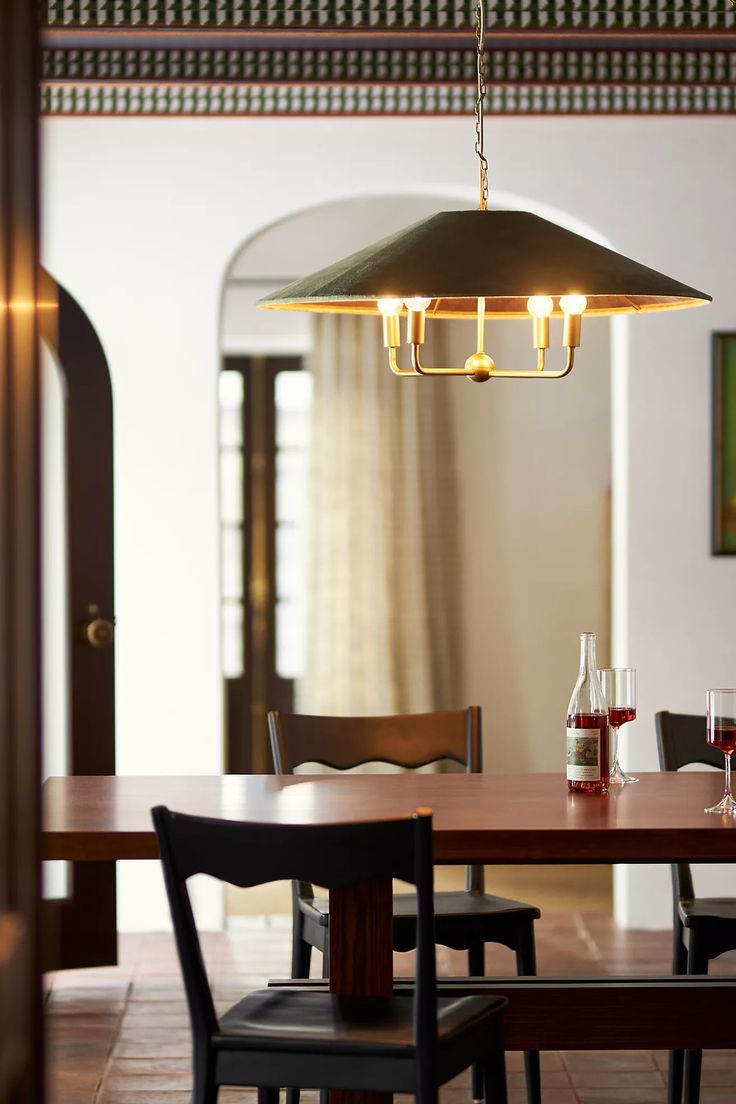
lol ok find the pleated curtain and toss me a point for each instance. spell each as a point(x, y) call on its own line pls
point(382, 606)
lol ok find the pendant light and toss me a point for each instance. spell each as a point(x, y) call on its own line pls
point(484, 264)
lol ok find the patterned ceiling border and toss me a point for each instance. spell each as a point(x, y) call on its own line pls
point(410, 57)
point(391, 15)
point(431, 67)
point(351, 100)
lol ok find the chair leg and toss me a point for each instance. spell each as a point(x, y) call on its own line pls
point(301, 961)
point(477, 968)
point(526, 966)
point(494, 1077)
point(204, 1089)
point(674, 1076)
point(326, 961)
point(697, 963)
point(677, 1057)
point(301, 956)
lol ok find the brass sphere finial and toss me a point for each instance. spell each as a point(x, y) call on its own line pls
point(479, 366)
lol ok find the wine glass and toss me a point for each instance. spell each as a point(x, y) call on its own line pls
point(619, 688)
point(721, 730)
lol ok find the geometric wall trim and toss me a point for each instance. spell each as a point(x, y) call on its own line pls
point(416, 15)
point(414, 57)
point(112, 99)
point(450, 67)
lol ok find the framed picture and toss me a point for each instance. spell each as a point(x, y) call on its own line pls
point(724, 444)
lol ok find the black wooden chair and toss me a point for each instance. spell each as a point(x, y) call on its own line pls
point(703, 928)
point(286, 1037)
point(465, 920)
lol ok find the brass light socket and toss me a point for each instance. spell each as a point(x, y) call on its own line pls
point(391, 331)
point(540, 330)
point(415, 327)
point(571, 331)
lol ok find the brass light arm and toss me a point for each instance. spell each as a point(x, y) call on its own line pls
point(500, 373)
point(539, 374)
point(396, 367)
point(420, 370)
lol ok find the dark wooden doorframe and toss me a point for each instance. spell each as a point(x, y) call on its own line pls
point(21, 1028)
point(81, 930)
point(249, 697)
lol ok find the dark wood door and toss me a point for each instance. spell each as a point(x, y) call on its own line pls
point(258, 685)
point(80, 928)
point(21, 1036)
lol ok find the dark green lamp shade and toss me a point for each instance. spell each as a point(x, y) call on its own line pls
point(456, 257)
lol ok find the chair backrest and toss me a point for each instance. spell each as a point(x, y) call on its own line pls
point(333, 855)
point(405, 740)
point(681, 740)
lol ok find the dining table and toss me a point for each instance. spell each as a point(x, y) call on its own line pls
point(497, 819)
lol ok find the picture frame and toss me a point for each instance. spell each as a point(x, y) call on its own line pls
point(724, 445)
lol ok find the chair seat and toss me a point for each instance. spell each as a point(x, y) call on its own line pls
point(279, 1019)
point(707, 910)
point(447, 905)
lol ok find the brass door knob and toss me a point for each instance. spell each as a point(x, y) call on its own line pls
point(97, 631)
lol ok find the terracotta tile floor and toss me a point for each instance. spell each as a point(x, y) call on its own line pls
point(121, 1036)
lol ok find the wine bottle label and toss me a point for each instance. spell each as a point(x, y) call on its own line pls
point(583, 755)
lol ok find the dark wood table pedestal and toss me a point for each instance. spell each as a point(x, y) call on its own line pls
point(361, 954)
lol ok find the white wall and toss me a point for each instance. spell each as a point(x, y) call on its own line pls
point(535, 471)
point(141, 218)
point(680, 600)
point(534, 520)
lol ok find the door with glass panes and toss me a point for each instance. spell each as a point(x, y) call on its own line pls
point(265, 406)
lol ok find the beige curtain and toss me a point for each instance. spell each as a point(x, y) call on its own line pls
point(382, 607)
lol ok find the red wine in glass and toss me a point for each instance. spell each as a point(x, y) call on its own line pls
point(723, 736)
point(721, 732)
point(621, 715)
point(619, 687)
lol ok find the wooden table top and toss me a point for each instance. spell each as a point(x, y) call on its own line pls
point(493, 818)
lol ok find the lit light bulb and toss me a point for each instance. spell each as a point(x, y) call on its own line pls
point(573, 304)
point(417, 303)
point(387, 307)
point(540, 306)
point(416, 306)
point(390, 309)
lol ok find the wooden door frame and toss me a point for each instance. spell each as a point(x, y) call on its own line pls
point(81, 929)
point(249, 697)
point(21, 1022)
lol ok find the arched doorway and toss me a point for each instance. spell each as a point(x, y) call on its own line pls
point(78, 571)
point(536, 537)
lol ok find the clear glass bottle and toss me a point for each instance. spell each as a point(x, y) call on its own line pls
point(588, 766)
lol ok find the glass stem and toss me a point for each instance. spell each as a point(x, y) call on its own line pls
point(615, 748)
point(728, 775)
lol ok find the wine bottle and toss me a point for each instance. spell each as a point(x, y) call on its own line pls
point(588, 766)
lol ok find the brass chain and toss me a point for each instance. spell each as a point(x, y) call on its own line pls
point(480, 39)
